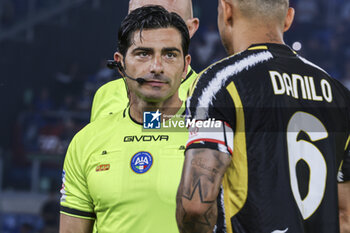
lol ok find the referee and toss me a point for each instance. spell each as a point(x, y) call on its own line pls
point(112, 97)
point(117, 174)
point(275, 164)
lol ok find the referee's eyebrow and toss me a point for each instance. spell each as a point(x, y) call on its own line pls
point(151, 50)
point(167, 49)
point(171, 49)
point(145, 49)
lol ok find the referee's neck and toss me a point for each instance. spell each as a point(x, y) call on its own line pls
point(168, 107)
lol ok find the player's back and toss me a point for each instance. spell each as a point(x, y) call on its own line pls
point(291, 128)
point(297, 126)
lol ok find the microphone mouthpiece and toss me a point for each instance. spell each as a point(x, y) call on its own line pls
point(141, 80)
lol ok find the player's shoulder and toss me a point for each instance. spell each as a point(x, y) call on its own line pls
point(321, 73)
point(235, 64)
point(217, 75)
point(311, 68)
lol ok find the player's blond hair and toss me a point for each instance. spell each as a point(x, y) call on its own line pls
point(269, 9)
point(183, 7)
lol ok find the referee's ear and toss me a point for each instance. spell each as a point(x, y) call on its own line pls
point(118, 57)
point(187, 63)
point(289, 19)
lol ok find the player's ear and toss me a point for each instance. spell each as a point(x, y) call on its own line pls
point(227, 10)
point(192, 25)
point(187, 63)
point(289, 19)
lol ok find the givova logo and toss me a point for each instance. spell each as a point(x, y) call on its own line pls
point(151, 120)
point(141, 162)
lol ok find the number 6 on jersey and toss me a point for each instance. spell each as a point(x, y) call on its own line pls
point(312, 156)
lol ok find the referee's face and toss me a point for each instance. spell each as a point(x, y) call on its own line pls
point(156, 56)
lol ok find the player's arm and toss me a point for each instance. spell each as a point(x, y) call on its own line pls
point(207, 157)
point(344, 206)
point(69, 224)
point(196, 208)
point(344, 192)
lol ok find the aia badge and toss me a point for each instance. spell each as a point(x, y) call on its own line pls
point(141, 162)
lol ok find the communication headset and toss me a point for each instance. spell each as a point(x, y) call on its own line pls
point(117, 65)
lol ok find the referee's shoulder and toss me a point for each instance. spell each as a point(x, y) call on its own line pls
point(99, 128)
point(110, 87)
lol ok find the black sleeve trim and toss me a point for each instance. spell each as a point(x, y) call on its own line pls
point(207, 145)
point(224, 129)
point(77, 212)
point(346, 167)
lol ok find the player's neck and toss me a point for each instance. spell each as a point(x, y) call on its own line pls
point(245, 34)
point(168, 107)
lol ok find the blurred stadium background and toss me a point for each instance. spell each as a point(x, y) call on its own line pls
point(52, 60)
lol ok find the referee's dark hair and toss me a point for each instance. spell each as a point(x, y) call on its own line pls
point(150, 17)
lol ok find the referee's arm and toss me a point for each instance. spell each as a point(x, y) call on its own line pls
point(77, 209)
point(69, 224)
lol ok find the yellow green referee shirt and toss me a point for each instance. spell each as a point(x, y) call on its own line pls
point(122, 176)
point(112, 97)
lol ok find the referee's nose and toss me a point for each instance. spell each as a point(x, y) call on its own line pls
point(157, 65)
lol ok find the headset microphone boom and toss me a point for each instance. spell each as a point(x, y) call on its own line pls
point(117, 65)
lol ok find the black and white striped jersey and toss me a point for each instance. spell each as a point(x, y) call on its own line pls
point(287, 126)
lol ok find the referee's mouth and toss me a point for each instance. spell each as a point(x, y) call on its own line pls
point(156, 80)
point(155, 83)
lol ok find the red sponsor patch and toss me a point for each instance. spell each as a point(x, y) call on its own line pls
point(103, 167)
